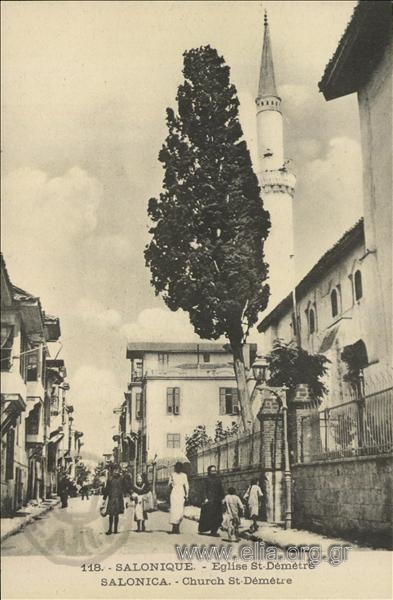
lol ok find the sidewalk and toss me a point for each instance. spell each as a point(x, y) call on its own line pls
point(273, 534)
point(27, 514)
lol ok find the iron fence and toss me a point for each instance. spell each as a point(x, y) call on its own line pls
point(360, 427)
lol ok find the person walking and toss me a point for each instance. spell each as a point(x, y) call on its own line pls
point(211, 510)
point(253, 497)
point(234, 509)
point(114, 492)
point(63, 490)
point(140, 488)
point(84, 491)
point(179, 494)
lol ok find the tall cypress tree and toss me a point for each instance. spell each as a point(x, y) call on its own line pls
point(209, 225)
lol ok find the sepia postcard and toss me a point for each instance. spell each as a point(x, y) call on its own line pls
point(196, 299)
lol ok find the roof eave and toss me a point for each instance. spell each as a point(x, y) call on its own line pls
point(348, 240)
point(360, 47)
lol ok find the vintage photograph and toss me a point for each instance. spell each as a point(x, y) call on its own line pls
point(196, 299)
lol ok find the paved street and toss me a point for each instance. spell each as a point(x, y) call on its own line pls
point(79, 530)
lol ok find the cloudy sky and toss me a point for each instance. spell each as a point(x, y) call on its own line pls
point(85, 88)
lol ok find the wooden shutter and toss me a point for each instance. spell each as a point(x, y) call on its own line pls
point(176, 401)
point(9, 464)
point(139, 408)
point(222, 409)
point(169, 400)
point(235, 401)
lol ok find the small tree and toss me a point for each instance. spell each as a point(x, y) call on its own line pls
point(197, 439)
point(290, 365)
point(222, 434)
point(209, 225)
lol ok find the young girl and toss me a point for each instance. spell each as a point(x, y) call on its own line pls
point(233, 511)
point(252, 497)
point(140, 488)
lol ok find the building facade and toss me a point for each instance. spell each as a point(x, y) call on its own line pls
point(173, 389)
point(362, 64)
point(346, 298)
point(37, 438)
point(334, 306)
point(276, 180)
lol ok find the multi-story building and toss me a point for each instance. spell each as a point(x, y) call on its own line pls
point(333, 311)
point(362, 64)
point(345, 300)
point(31, 438)
point(174, 388)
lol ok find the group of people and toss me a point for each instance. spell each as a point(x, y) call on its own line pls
point(218, 510)
point(225, 510)
point(67, 487)
point(116, 489)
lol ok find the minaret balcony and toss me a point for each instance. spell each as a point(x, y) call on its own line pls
point(278, 180)
point(268, 103)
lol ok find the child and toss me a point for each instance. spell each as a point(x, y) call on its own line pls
point(233, 509)
point(252, 497)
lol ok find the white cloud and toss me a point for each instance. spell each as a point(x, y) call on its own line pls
point(115, 246)
point(35, 204)
point(95, 393)
point(337, 175)
point(96, 314)
point(309, 148)
point(335, 179)
point(159, 325)
point(44, 220)
point(296, 96)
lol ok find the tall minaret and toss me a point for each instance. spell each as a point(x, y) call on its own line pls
point(276, 181)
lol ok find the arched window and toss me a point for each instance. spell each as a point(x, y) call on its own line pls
point(358, 285)
point(334, 302)
point(311, 320)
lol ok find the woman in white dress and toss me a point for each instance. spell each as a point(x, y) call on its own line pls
point(179, 494)
point(253, 497)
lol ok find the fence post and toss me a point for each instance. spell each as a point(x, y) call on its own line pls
point(360, 415)
point(326, 415)
point(251, 457)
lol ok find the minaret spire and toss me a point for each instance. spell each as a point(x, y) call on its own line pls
point(267, 82)
point(276, 180)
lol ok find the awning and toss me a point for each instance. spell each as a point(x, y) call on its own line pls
point(328, 340)
point(32, 402)
point(11, 407)
point(55, 439)
point(343, 331)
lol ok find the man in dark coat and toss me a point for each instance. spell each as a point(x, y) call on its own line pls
point(211, 510)
point(63, 489)
point(114, 491)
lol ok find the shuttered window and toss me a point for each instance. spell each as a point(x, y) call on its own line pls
point(173, 400)
point(9, 464)
point(139, 406)
point(6, 342)
point(229, 401)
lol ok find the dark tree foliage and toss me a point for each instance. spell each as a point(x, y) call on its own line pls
point(290, 365)
point(206, 252)
point(197, 439)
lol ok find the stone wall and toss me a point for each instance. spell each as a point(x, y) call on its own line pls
point(350, 497)
point(272, 485)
